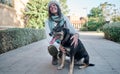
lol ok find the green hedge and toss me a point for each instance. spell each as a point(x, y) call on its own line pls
point(112, 31)
point(16, 37)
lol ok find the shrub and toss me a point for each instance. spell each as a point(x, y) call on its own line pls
point(95, 23)
point(83, 29)
point(112, 31)
point(16, 37)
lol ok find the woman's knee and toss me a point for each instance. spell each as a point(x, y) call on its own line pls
point(52, 50)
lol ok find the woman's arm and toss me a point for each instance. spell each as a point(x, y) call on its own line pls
point(69, 25)
point(47, 31)
point(73, 31)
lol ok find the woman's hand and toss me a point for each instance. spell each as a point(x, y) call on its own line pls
point(75, 39)
point(62, 48)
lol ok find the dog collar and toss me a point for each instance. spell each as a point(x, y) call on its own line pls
point(66, 38)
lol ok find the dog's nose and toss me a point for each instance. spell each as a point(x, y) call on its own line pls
point(51, 33)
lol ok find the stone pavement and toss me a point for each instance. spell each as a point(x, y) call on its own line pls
point(34, 58)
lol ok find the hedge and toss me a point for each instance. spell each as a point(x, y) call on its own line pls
point(112, 31)
point(16, 37)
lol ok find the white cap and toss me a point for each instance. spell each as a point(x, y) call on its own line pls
point(53, 1)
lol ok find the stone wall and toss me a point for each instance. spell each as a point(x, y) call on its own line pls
point(12, 16)
point(8, 17)
point(19, 6)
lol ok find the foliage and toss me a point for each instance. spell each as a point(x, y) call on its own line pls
point(7, 2)
point(116, 19)
point(110, 12)
point(16, 37)
point(106, 7)
point(112, 31)
point(36, 13)
point(95, 12)
point(83, 29)
point(95, 24)
point(64, 7)
point(97, 16)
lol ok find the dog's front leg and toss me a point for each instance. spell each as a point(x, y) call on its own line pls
point(62, 62)
point(71, 65)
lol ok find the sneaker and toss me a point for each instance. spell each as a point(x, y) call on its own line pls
point(52, 50)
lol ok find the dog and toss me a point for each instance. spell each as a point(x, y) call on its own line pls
point(75, 53)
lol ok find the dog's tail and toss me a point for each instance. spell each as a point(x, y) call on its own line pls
point(91, 64)
point(84, 64)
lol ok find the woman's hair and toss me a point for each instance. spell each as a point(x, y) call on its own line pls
point(58, 11)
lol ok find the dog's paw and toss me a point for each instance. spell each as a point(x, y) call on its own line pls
point(81, 67)
point(70, 73)
point(59, 68)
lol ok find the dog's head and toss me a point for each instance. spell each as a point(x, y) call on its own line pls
point(59, 32)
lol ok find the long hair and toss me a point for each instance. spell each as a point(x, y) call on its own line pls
point(58, 12)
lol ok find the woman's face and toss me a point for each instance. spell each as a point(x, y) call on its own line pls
point(53, 8)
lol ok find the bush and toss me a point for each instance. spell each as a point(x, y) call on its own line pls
point(94, 26)
point(112, 31)
point(16, 37)
point(83, 29)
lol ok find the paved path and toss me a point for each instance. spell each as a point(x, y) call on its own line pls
point(34, 58)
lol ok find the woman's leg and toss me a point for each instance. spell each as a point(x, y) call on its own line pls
point(53, 52)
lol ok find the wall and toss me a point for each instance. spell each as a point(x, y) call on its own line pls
point(75, 21)
point(12, 16)
point(19, 6)
point(8, 17)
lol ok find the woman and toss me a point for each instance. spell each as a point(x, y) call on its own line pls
point(55, 17)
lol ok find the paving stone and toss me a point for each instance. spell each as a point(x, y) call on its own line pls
point(35, 59)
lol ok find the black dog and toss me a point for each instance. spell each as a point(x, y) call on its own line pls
point(75, 53)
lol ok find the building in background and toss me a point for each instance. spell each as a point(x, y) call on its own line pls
point(77, 20)
point(11, 13)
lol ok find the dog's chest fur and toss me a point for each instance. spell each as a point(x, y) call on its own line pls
point(78, 51)
point(66, 42)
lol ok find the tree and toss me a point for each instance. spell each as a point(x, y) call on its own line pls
point(36, 13)
point(64, 6)
point(96, 19)
point(107, 10)
point(95, 12)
